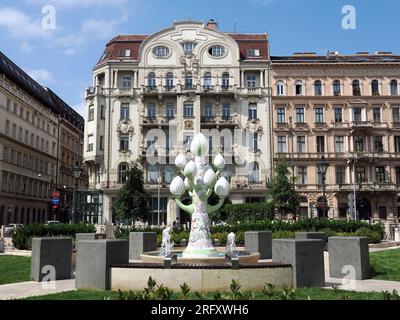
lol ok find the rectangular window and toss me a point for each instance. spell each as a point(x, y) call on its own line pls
point(376, 114)
point(208, 113)
point(383, 212)
point(253, 111)
point(124, 53)
point(397, 143)
point(5, 154)
point(302, 175)
point(396, 114)
point(319, 115)
point(124, 143)
point(281, 144)
point(359, 144)
point(187, 141)
point(357, 115)
point(380, 174)
point(91, 113)
point(14, 130)
point(398, 176)
point(299, 89)
point(101, 146)
point(170, 111)
point(90, 143)
point(378, 144)
point(255, 141)
point(188, 111)
point(340, 175)
point(299, 115)
point(251, 81)
point(338, 115)
point(226, 110)
point(301, 144)
point(102, 112)
point(126, 82)
point(360, 172)
point(281, 115)
point(339, 144)
point(320, 144)
point(151, 111)
point(124, 111)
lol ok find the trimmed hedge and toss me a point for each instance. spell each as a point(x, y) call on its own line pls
point(247, 212)
point(280, 229)
point(22, 237)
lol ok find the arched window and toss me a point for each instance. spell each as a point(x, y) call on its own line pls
point(169, 80)
point(122, 170)
point(151, 81)
point(336, 88)
point(318, 88)
point(375, 87)
point(207, 81)
point(280, 88)
point(254, 172)
point(393, 88)
point(225, 80)
point(299, 88)
point(356, 88)
point(189, 81)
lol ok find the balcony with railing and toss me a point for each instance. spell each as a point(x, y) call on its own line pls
point(156, 121)
point(218, 120)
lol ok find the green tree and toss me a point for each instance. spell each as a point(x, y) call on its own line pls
point(132, 202)
point(282, 192)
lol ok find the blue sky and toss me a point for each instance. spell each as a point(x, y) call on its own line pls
point(63, 58)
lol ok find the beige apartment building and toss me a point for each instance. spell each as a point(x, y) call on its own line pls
point(34, 162)
point(152, 94)
point(347, 109)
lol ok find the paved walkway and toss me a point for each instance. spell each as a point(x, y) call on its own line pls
point(28, 289)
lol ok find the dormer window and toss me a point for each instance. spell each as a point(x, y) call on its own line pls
point(188, 47)
point(161, 51)
point(217, 51)
point(105, 56)
point(124, 53)
point(253, 53)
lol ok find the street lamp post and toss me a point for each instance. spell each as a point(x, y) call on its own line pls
point(77, 173)
point(322, 169)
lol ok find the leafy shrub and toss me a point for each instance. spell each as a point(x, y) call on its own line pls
point(283, 235)
point(329, 232)
point(22, 237)
point(373, 236)
point(247, 212)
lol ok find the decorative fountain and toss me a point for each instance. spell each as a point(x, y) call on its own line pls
point(200, 180)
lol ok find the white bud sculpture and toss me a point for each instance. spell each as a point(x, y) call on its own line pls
point(190, 170)
point(200, 182)
point(208, 176)
point(219, 162)
point(177, 187)
point(180, 161)
point(222, 187)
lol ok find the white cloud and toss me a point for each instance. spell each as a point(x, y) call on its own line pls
point(21, 26)
point(77, 3)
point(42, 76)
point(26, 47)
point(70, 52)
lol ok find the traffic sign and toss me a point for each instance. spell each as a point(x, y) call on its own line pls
point(56, 194)
point(56, 201)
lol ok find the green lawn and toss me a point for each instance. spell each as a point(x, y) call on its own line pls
point(385, 265)
point(14, 269)
point(301, 294)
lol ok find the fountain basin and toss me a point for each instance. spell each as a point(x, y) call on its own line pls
point(245, 258)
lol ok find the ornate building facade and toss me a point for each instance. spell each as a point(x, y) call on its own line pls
point(345, 108)
point(152, 94)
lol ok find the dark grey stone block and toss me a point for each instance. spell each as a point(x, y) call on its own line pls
point(312, 235)
point(2, 246)
point(306, 258)
point(93, 261)
point(259, 241)
point(56, 252)
point(349, 251)
point(140, 242)
point(89, 236)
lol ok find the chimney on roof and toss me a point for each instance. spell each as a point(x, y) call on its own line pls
point(212, 24)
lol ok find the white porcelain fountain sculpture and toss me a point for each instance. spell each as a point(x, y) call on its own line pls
point(200, 181)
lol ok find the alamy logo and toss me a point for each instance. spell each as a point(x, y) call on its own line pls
point(49, 278)
point(49, 20)
point(349, 20)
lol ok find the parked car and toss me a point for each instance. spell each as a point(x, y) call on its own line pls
point(10, 228)
point(52, 222)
